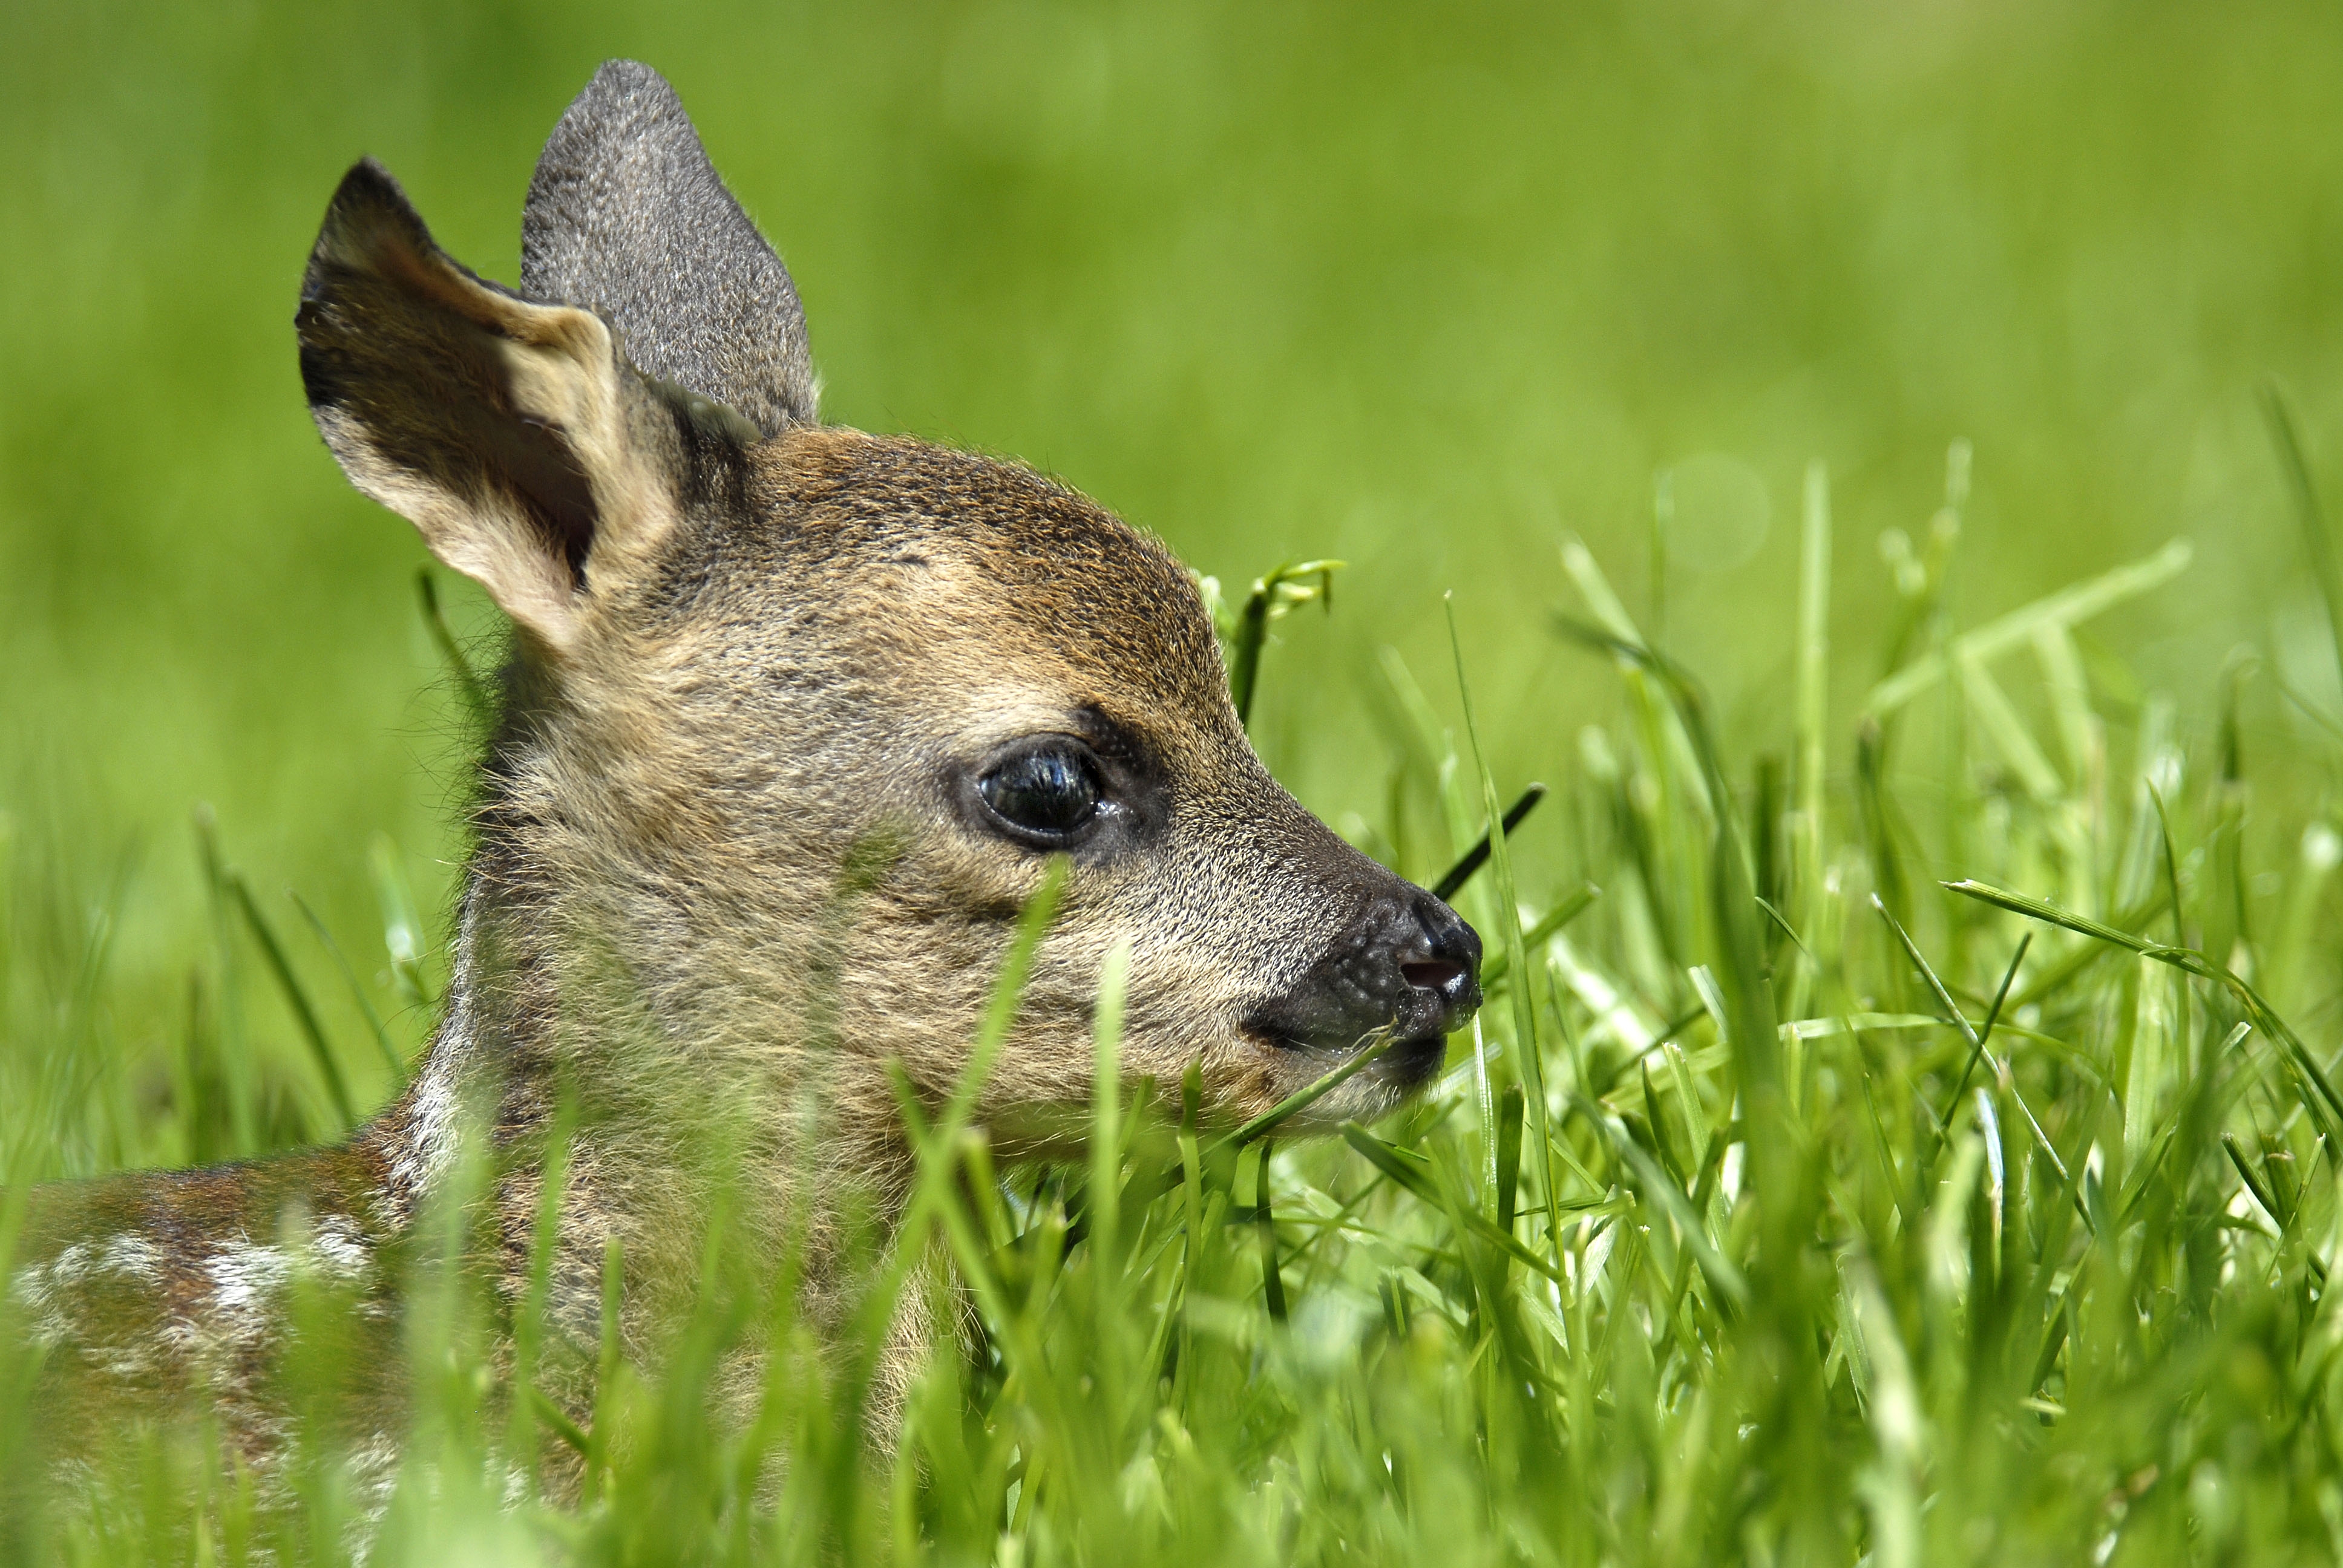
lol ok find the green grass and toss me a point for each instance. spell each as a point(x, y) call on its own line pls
point(1418, 286)
point(1783, 1204)
point(1551, 307)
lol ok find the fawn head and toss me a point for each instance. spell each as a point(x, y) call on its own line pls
point(749, 647)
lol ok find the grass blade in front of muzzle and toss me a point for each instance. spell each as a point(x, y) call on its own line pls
point(1149, 1182)
point(1496, 969)
point(1302, 1099)
point(1530, 1059)
point(1470, 862)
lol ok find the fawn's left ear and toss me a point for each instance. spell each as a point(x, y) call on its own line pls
point(530, 456)
point(625, 215)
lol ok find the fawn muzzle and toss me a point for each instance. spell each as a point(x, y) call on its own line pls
point(1406, 964)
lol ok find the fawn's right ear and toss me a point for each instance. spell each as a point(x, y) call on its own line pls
point(514, 436)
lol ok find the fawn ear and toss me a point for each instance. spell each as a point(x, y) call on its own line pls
point(626, 216)
point(530, 456)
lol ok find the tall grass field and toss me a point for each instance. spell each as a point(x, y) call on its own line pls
point(1840, 576)
point(1785, 1203)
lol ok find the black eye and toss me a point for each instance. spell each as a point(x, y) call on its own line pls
point(1050, 791)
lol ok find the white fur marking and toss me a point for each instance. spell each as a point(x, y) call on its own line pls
point(428, 1148)
point(245, 1276)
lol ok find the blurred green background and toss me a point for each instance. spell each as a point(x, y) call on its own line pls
point(1423, 287)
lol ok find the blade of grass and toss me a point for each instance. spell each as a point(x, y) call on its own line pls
point(1509, 1154)
point(1273, 1283)
point(529, 1320)
point(402, 932)
point(234, 1056)
point(992, 1034)
point(390, 1059)
point(1302, 1099)
point(2064, 607)
point(1146, 1185)
point(1813, 681)
point(1992, 1017)
point(1415, 1172)
point(313, 1032)
point(1731, 1284)
point(1740, 951)
point(1192, 1183)
point(2316, 538)
point(608, 1361)
point(2186, 960)
point(1494, 969)
point(1958, 1020)
point(1529, 1058)
point(1105, 1206)
point(1473, 859)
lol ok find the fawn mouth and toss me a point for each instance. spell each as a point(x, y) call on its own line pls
point(1404, 968)
point(1411, 1062)
point(1405, 1064)
point(1434, 999)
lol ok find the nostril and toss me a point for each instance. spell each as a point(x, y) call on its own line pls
point(1435, 974)
point(1448, 940)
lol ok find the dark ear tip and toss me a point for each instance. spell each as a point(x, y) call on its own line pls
point(368, 188)
point(367, 209)
point(366, 176)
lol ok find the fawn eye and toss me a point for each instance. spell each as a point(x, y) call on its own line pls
point(1051, 791)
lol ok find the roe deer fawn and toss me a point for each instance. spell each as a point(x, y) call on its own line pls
point(745, 644)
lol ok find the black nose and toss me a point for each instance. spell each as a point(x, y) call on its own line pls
point(1405, 964)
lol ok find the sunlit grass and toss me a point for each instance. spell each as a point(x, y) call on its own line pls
point(1783, 1205)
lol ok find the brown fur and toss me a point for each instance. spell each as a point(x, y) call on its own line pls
point(747, 660)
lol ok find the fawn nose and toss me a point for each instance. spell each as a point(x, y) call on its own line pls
point(1405, 964)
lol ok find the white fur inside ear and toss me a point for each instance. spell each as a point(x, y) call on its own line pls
point(564, 374)
point(488, 536)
